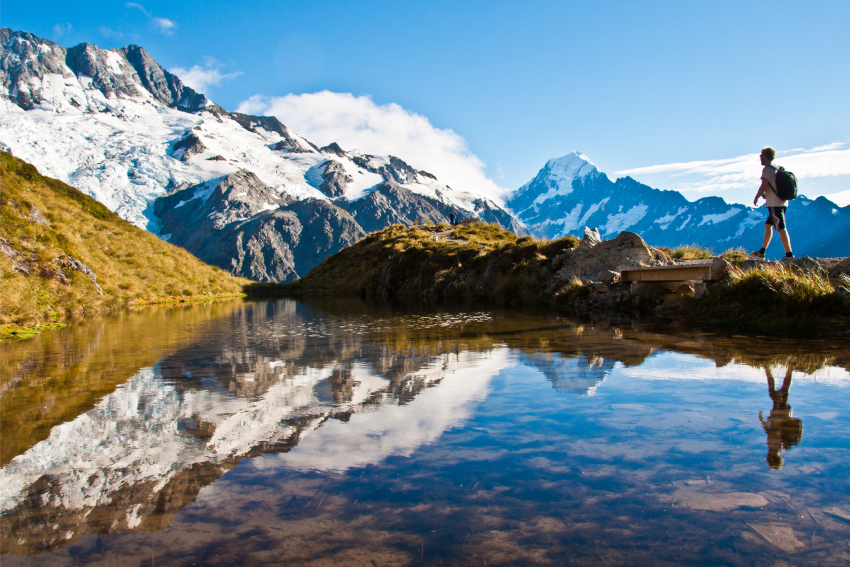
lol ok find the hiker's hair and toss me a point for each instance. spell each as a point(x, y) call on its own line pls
point(768, 152)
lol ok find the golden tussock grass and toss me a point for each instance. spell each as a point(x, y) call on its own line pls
point(131, 264)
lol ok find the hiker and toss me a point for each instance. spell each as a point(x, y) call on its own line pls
point(775, 206)
point(783, 430)
point(452, 218)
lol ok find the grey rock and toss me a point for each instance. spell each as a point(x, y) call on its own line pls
point(87, 60)
point(270, 124)
point(334, 179)
point(390, 203)
point(243, 226)
point(26, 58)
point(591, 237)
point(35, 216)
point(72, 263)
point(807, 264)
point(216, 158)
point(165, 87)
point(627, 250)
point(7, 249)
point(398, 171)
point(191, 145)
point(608, 277)
point(333, 148)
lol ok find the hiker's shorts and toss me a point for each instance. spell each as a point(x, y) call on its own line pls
point(779, 213)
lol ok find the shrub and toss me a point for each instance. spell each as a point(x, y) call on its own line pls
point(691, 252)
point(735, 255)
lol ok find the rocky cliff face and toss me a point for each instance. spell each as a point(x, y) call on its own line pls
point(570, 193)
point(242, 225)
point(166, 135)
point(39, 73)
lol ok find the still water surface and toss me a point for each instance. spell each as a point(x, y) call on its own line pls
point(341, 433)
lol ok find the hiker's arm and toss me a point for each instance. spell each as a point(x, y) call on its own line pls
point(762, 190)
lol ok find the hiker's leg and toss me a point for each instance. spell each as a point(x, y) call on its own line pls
point(783, 232)
point(768, 233)
point(786, 240)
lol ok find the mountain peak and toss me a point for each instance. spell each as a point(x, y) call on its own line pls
point(571, 166)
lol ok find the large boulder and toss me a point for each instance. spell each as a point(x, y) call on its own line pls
point(627, 250)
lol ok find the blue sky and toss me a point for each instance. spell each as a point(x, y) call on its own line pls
point(636, 86)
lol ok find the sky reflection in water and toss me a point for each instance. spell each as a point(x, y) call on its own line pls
point(335, 432)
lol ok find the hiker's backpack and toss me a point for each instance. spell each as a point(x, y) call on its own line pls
point(786, 184)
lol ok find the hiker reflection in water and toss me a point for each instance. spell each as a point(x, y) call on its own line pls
point(783, 431)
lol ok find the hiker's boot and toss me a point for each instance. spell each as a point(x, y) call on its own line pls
point(758, 254)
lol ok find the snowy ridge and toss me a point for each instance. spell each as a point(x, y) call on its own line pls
point(569, 193)
point(107, 122)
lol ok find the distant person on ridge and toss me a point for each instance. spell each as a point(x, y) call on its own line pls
point(775, 206)
point(452, 217)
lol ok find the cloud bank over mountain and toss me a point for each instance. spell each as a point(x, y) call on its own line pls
point(357, 122)
point(736, 179)
point(202, 77)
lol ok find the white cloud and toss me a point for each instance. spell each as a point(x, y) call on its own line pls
point(826, 168)
point(163, 25)
point(356, 122)
point(200, 77)
point(61, 29)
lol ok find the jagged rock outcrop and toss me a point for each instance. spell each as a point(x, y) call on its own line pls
point(390, 203)
point(163, 85)
point(334, 180)
point(247, 228)
point(37, 72)
point(290, 143)
point(588, 260)
point(191, 145)
point(333, 148)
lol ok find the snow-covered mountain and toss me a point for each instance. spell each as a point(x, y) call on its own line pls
point(118, 126)
point(570, 193)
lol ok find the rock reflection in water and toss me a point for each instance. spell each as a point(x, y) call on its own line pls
point(293, 390)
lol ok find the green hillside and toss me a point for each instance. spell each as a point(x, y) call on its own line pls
point(63, 253)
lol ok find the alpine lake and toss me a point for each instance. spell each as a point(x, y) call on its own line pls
point(327, 432)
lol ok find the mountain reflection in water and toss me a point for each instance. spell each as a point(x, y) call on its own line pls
point(309, 396)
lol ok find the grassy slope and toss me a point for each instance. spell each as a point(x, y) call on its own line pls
point(131, 265)
point(421, 265)
point(773, 300)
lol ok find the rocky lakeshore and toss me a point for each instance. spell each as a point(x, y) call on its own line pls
point(480, 263)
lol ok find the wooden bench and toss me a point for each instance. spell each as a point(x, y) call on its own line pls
point(697, 271)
